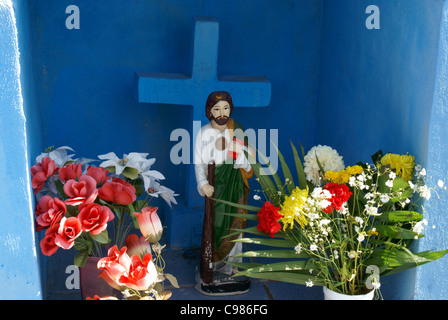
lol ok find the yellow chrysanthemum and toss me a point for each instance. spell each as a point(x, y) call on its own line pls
point(343, 176)
point(354, 170)
point(402, 164)
point(292, 208)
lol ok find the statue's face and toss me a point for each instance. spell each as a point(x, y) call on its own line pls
point(221, 112)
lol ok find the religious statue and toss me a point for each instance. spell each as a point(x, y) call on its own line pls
point(222, 171)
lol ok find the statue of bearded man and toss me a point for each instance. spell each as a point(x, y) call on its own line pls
point(222, 171)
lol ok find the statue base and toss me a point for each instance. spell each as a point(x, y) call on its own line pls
point(222, 285)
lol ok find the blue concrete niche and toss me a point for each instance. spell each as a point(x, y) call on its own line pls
point(333, 81)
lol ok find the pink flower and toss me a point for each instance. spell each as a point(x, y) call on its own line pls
point(49, 211)
point(96, 297)
point(137, 246)
point(114, 265)
point(70, 171)
point(118, 191)
point(69, 230)
point(141, 273)
point(99, 174)
point(94, 218)
point(119, 270)
point(150, 224)
point(79, 192)
point(47, 244)
point(41, 171)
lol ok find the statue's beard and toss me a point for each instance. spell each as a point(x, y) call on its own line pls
point(221, 120)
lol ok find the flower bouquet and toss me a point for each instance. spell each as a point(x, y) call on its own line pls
point(94, 208)
point(339, 227)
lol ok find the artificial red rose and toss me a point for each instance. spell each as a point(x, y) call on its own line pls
point(49, 211)
point(267, 219)
point(41, 171)
point(47, 244)
point(94, 218)
point(137, 246)
point(69, 230)
point(114, 265)
point(70, 171)
point(340, 194)
point(79, 192)
point(118, 191)
point(99, 174)
point(150, 224)
point(141, 273)
point(96, 297)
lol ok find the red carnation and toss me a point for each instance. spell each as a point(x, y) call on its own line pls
point(340, 194)
point(267, 219)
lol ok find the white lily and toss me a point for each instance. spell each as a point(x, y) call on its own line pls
point(149, 176)
point(59, 155)
point(132, 160)
point(156, 190)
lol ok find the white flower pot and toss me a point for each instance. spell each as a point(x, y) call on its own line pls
point(332, 295)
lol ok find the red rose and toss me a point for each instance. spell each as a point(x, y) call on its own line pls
point(99, 174)
point(267, 219)
point(69, 230)
point(40, 172)
point(94, 218)
point(118, 191)
point(137, 246)
point(340, 194)
point(141, 273)
point(83, 191)
point(70, 171)
point(49, 211)
point(47, 244)
point(114, 265)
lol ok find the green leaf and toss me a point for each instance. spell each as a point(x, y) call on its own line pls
point(130, 173)
point(102, 238)
point(274, 174)
point(81, 257)
point(247, 216)
point(286, 172)
point(237, 205)
point(290, 277)
point(60, 188)
point(300, 172)
point(268, 242)
point(377, 156)
point(297, 265)
point(396, 232)
point(272, 254)
point(265, 180)
point(400, 260)
point(400, 216)
point(252, 230)
point(243, 265)
point(138, 205)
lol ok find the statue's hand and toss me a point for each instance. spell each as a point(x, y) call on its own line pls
point(208, 190)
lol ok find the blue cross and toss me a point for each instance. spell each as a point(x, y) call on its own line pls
point(179, 89)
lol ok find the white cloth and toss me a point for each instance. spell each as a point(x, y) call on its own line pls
point(205, 152)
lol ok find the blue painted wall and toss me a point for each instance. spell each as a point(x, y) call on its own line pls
point(333, 81)
point(431, 282)
point(19, 269)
